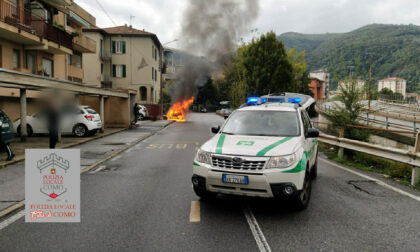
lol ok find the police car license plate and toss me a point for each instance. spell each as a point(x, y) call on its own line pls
point(5, 125)
point(235, 179)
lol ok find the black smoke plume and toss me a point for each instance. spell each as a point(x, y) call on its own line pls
point(211, 30)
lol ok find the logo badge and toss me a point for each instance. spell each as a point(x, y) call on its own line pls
point(245, 143)
point(52, 185)
point(237, 160)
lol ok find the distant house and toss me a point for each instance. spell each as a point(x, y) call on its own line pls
point(360, 85)
point(319, 84)
point(397, 85)
point(413, 96)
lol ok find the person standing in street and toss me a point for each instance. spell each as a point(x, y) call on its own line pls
point(136, 112)
point(53, 125)
point(5, 146)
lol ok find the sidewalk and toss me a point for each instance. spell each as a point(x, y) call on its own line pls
point(12, 177)
point(42, 142)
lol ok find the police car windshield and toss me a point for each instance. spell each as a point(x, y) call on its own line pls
point(262, 123)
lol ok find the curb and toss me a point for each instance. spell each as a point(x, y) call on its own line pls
point(64, 147)
point(116, 153)
point(20, 204)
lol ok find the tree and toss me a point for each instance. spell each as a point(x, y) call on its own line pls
point(386, 91)
point(299, 75)
point(261, 67)
point(346, 110)
point(266, 66)
point(207, 94)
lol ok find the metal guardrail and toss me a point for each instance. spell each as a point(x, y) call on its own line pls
point(403, 156)
point(368, 119)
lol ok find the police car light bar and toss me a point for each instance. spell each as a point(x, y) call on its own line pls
point(253, 99)
point(294, 100)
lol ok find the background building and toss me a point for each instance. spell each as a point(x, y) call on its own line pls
point(360, 85)
point(319, 84)
point(174, 61)
point(397, 85)
point(126, 58)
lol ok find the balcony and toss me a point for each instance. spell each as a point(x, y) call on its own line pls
point(25, 27)
point(15, 24)
point(75, 72)
point(106, 56)
point(84, 44)
point(106, 81)
point(53, 34)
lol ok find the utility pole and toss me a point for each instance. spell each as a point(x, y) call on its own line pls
point(370, 78)
point(131, 18)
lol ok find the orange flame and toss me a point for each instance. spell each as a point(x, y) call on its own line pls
point(178, 109)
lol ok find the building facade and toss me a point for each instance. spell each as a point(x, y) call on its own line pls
point(125, 58)
point(36, 39)
point(174, 61)
point(319, 84)
point(397, 85)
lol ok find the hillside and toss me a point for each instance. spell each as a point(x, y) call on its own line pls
point(396, 51)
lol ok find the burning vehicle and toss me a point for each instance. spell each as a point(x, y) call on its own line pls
point(179, 109)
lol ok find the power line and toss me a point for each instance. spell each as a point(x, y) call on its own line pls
point(106, 13)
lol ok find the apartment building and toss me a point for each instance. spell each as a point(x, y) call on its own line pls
point(41, 38)
point(125, 58)
point(397, 85)
point(77, 19)
point(44, 37)
point(174, 61)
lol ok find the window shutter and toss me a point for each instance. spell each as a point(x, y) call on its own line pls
point(123, 71)
point(123, 46)
point(113, 46)
point(114, 70)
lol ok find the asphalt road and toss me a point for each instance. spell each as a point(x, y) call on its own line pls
point(141, 201)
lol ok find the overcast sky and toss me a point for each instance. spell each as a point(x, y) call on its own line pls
point(164, 17)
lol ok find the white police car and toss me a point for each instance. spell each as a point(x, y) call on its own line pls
point(269, 150)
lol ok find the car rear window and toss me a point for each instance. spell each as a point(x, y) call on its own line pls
point(90, 111)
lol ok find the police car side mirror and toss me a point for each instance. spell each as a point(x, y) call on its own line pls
point(312, 133)
point(215, 129)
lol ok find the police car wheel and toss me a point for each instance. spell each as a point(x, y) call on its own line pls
point(204, 194)
point(304, 195)
point(314, 171)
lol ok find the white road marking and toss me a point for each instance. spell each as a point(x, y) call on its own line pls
point(195, 211)
point(12, 219)
point(255, 229)
point(100, 168)
point(116, 158)
point(379, 182)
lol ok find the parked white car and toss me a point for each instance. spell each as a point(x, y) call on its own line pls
point(78, 120)
point(142, 113)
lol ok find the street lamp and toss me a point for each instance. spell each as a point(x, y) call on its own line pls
point(175, 40)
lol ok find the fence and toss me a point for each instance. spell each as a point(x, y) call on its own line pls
point(370, 118)
point(407, 157)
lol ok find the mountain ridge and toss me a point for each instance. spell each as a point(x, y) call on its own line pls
point(395, 48)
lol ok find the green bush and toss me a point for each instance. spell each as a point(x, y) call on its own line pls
point(392, 168)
